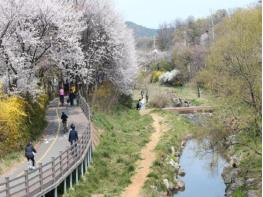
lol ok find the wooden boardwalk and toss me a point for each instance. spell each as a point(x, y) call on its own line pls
point(63, 165)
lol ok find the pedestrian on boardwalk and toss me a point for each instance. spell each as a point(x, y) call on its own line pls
point(61, 96)
point(30, 152)
point(66, 88)
point(64, 119)
point(73, 135)
point(71, 97)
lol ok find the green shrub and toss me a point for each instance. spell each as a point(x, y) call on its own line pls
point(126, 100)
point(239, 193)
point(166, 66)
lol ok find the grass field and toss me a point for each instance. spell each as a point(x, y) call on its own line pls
point(125, 133)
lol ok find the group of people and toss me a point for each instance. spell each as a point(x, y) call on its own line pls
point(67, 89)
point(30, 151)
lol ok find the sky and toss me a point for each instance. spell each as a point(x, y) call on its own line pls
point(151, 13)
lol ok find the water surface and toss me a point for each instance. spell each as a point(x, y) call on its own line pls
point(203, 172)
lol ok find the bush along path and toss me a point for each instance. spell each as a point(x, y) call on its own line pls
point(125, 133)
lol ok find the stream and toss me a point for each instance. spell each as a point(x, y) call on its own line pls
point(203, 172)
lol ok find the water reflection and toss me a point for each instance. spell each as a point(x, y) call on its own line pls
point(203, 172)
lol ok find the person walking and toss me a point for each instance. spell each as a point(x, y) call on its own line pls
point(61, 96)
point(30, 152)
point(66, 88)
point(71, 97)
point(64, 119)
point(73, 135)
point(73, 138)
point(138, 106)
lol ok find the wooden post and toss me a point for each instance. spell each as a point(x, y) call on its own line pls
point(70, 180)
point(198, 91)
point(91, 153)
point(88, 157)
point(53, 169)
point(56, 192)
point(7, 186)
point(67, 159)
point(60, 163)
point(65, 185)
point(82, 170)
point(26, 183)
point(40, 176)
point(75, 150)
point(77, 175)
point(86, 163)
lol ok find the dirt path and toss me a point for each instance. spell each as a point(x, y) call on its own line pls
point(148, 157)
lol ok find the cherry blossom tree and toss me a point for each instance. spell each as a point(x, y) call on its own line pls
point(109, 45)
point(81, 39)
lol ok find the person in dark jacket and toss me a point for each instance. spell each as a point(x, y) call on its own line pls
point(30, 152)
point(138, 105)
point(71, 97)
point(73, 135)
point(66, 88)
point(64, 119)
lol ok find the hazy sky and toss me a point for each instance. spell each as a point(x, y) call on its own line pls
point(151, 13)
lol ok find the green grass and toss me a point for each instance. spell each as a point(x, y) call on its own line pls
point(125, 133)
point(239, 193)
point(9, 159)
point(179, 128)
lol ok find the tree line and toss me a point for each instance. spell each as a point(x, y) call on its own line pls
point(77, 39)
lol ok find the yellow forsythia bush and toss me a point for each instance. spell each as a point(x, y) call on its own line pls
point(12, 120)
point(155, 76)
point(21, 119)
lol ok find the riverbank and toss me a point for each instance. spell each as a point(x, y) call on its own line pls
point(114, 160)
point(162, 178)
point(243, 174)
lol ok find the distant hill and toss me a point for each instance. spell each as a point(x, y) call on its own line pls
point(141, 31)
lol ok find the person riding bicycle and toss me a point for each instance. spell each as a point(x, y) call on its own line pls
point(64, 119)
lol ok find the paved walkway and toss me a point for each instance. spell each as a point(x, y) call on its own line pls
point(53, 140)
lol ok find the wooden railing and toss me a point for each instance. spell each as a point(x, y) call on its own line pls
point(60, 171)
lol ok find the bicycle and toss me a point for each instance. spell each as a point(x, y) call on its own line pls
point(65, 128)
